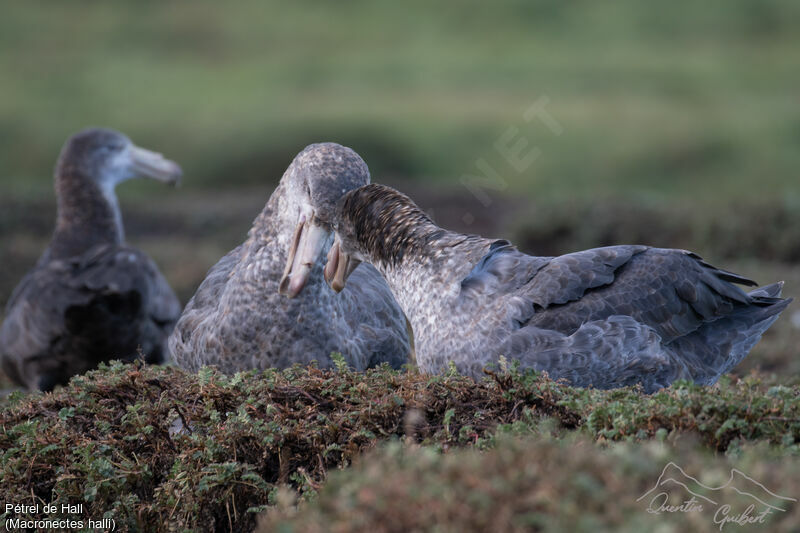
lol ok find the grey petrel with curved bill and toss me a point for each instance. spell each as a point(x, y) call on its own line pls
point(607, 317)
point(238, 319)
point(90, 297)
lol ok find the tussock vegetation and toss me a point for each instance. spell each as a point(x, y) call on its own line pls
point(158, 449)
point(534, 484)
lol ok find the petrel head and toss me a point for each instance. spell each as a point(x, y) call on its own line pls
point(378, 224)
point(108, 157)
point(315, 182)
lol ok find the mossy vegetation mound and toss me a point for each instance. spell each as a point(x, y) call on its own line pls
point(542, 484)
point(157, 449)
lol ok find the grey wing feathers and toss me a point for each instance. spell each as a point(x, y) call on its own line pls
point(165, 308)
point(718, 346)
point(377, 317)
point(670, 290)
point(127, 269)
point(615, 352)
point(620, 351)
point(503, 270)
point(545, 281)
point(26, 331)
point(59, 313)
point(621, 315)
point(210, 290)
point(568, 277)
point(201, 306)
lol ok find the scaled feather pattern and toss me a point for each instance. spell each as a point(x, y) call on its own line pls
point(606, 317)
point(237, 320)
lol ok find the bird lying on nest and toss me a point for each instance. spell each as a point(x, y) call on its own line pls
point(237, 320)
point(90, 297)
point(607, 317)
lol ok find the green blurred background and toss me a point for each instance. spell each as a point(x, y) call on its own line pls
point(679, 123)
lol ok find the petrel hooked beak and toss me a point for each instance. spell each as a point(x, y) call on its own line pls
point(307, 243)
point(154, 165)
point(339, 266)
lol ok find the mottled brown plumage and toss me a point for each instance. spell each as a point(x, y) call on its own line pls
point(90, 297)
point(238, 320)
point(606, 317)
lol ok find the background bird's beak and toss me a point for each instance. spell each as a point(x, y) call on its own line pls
point(307, 244)
point(155, 165)
point(339, 267)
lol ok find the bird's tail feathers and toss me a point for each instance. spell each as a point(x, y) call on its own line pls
point(719, 346)
point(768, 294)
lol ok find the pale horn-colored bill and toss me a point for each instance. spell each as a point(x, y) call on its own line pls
point(339, 267)
point(154, 165)
point(307, 244)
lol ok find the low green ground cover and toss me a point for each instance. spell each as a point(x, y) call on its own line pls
point(156, 448)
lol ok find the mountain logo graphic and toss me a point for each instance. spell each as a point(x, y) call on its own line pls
point(673, 475)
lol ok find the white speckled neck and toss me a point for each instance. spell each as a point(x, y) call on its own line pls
point(427, 287)
point(109, 193)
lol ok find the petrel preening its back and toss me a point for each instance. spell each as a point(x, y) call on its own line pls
point(239, 318)
point(90, 297)
point(607, 317)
